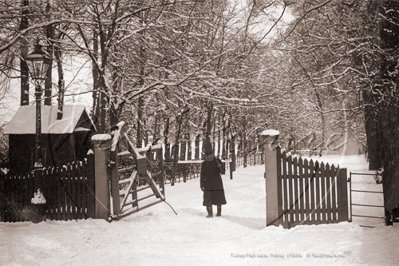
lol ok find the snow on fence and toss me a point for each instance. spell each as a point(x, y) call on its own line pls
point(69, 192)
point(310, 192)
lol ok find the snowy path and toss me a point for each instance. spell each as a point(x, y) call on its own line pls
point(156, 236)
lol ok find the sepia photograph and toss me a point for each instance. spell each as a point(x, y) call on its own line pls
point(199, 132)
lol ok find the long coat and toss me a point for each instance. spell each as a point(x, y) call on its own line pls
point(212, 183)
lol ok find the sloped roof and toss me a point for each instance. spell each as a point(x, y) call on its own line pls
point(24, 121)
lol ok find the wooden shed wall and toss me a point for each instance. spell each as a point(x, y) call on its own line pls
point(57, 150)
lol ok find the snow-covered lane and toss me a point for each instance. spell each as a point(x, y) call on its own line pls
point(157, 236)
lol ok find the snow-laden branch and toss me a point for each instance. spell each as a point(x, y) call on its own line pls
point(341, 75)
point(304, 15)
point(179, 82)
point(214, 97)
point(15, 39)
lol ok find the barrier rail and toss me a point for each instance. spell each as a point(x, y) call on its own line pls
point(363, 205)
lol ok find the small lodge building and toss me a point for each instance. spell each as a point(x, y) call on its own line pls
point(62, 140)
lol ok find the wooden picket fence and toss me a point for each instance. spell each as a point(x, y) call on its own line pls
point(69, 192)
point(310, 192)
point(186, 170)
point(253, 158)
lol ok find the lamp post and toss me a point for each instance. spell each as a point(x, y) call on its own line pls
point(38, 65)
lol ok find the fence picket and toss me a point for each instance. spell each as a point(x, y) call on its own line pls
point(301, 192)
point(51, 179)
point(306, 188)
point(84, 190)
point(26, 200)
point(67, 183)
point(64, 193)
point(314, 177)
point(295, 196)
point(75, 194)
point(324, 193)
point(283, 182)
point(43, 185)
point(311, 191)
point(290, 193)
point(7, 190)
point(26, 196)
point(279, 188)
point(60, 190)
point(70, 195)
point(16, 203)
point(333, 192)
point(19, 198)
point(318, 177)
point(28, 193)
point(328, 192)
point(79, 191)
point(13, 202)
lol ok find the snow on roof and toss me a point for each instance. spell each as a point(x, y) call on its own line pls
point(24, 121)
point(270, 132)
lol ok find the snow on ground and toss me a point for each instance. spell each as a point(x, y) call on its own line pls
point(157, 236)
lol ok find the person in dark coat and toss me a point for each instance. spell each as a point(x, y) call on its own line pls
point(211, 182)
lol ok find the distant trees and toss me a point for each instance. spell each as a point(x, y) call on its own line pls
point(321, 46)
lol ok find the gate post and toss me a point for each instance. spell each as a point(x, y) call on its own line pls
point(101, 147)
point(273, 188)
point(342, 188)
point(114, 181)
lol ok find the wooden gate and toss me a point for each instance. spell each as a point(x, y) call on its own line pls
point(137, 175)
point(310, 192)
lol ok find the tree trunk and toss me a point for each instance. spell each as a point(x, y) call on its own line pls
point(24, 52)
point(139, 123)
point(224, 137)
point(372, 132)
point(389, 120)
point(48, 85)
point(165, 135)
point(175, 149)
point(96, 92)
point(209, 121)
point(156, 122)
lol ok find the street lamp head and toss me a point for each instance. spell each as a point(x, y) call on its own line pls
point(38, 64)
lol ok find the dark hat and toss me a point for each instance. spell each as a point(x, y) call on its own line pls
point(208, 147)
